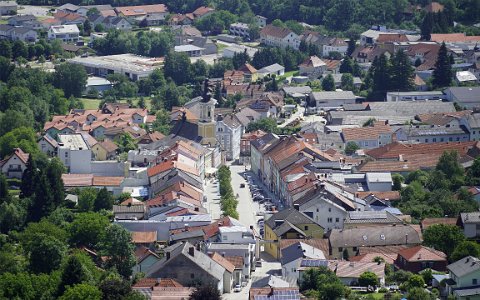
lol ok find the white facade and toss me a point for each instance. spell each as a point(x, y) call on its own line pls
point(229, 135)
point(8, 8)
point(236, 234)
point(66, 33)
point(292, 40)
point(327, 49)
point(325, 213)
point(74, 153)
point(412, 96)
point(379, 182)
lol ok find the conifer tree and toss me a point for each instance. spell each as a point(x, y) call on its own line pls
point(29, 177)
point(442, 74)
point(402, 72)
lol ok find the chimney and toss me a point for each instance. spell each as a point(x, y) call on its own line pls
point(223, 254)
point(296, 206)
point(168, 255)
point(191, 251)
point(186, 227)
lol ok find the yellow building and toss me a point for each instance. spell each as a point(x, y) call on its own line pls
point(104, 150)
point(249, 72)
point(289, 224)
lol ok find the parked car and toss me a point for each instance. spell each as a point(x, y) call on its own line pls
point(237, 288)
point(258, 263)
point(242, 185)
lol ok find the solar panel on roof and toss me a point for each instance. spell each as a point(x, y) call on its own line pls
point(367, 215)
point(313, 263)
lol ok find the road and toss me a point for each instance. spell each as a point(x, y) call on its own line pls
point(213, 199)
point(297, 114)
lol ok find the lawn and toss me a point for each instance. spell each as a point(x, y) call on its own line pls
point(94, 103)
point(376, 296)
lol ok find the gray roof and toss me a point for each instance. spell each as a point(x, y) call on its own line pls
point(300, 250)
point(247, 115)
point(128, 209)
point(470, 218)
point(289, 215)
point(297, 89)
point(377, 217)
point(374, 236)
point(473, 120)
point(466, 94)
point(341, 95)
point(464, 266)
point(199, 258)
point(356, 106)
point(467, 292)
point(187, 235)
point(265, 142)
point(226, 246)
point(430, 130)
point(338, 78)
point(271, 69)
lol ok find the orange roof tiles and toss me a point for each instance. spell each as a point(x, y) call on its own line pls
point(202, 10)
point(237, 261)
point(427, 222)
point(159, 168)
point(141, 10)
point(77, 180)
point(248, 68)
point(107, 180)
point(392, 38)
point(453, 37)
point(391, 195)
point(389, 258)
point(152, 282)
point(143, 237)
point(223, 262)
point(434, 7)
point(422, 253)
point(21, 155)
point(278, 32)
point(366, 133)
point(395, 149)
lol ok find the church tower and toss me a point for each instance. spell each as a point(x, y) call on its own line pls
point(206, 123)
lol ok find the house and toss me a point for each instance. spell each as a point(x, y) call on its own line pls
point(66, 33)
point(184, 263)
point(105, 150)
point(202, 12)
point(349, 272)
point(279, 37)
point(427, 222)
point(465, 77)
point(243, 255)
point(190, 50)
point(249, 73)
point(18, 33)
point(230, 277)
point(331, 100)
point(470, 222)
point(335, 45)
point(233, 49)
point(368, 137)
point(21, 20)
point(145, 259)
point(292, 256)
point(114, 22)
point(357, 219)
point(287, 224)
point(261, 21)
point(74, 153)
point(240, 29)
point(138, 13)
point(419, 258)
point(48, 145)
point(245, 144)
point(466, 97)
point(258, 148)
point(413, 96)
point(337, 78)
point(8, 8)
point(313, 67)
point(464, 278)
point(228, 133)
point(69, 18)
point(346, 242)
point(274, 69)
point(14, 165)
point(327, 209)
point(447, 130)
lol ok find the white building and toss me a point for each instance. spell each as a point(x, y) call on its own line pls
point(240, 29)
point(66, 33)
point(14, 165)
point(236, 235)
point(313, 67)
point(230, 51)
point(379, 182)
point(228, 133)
point(279, 37)
point(190, 50)
point(335, 45)
point(274, 69)
point(413, 96)
point(293, 255)
point(261, 21)
point(74, 153)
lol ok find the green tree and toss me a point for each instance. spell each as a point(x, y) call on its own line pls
point(86, 199)
point(43, 200)
point(368, 279)
point(22, 137)
point(265, 124)
point(465, 249)
point(19, 50)
point(4, 194)
point(347, 82)
point(442, 73)
point(162, 122)
point(46, 254)
point(6, 49)
point(87, 229)
point(347, 65)
point(81, 292)
point(397, 181)
point(16, 286)
point(328, 83)
point(73, 273)
point(54, 173)
point(71, 78)
point(125, 142)
point(415, 281)
point(418, 293)
point(403, 74)
point(12, 216)
point(427, 26)
point(6, 68)
point(177, 67)
point(104, 200)
point(443, 237)
point(30, 235)
point(206, 292)
point(117, 245)
point(351, 147)
point(115, 288)
point(87, 27)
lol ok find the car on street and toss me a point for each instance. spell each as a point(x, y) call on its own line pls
point(258, 263)
point(237, 288)
point(242, 185)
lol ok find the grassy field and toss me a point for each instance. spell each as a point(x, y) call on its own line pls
point(93, 103)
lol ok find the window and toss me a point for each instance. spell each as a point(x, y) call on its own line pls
point(426, 140)
point(474, 281)
point(329, 209)
point(337, 220)
point(192, 275)
point(66, 154)
point(306, 227)
point(317, 209)
point(340, 249)
point(434, 140)
point(458, 139)
point(329, 220)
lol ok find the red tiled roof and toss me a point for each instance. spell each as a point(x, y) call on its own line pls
point(77, 180)
point(248, 68)
point(389, 258)
point(237, 261)
point(365, 133)
point(453, 37)
point(275, 31)
point(391, 38)
point(21, 155)
point(422, 253)
point(321, 244)
point(152, 282)
point(143, 252)
point(427, 222)
point(202, 10)
point(142, 9)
